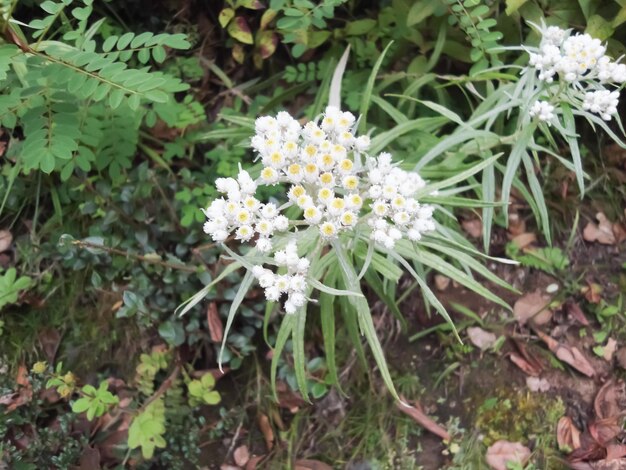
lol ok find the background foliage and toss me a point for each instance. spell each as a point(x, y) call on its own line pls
point(117, 118)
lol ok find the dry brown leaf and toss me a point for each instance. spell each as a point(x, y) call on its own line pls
point(502, 452)
point(619, 230)
point(532, 307)
point(89, 459)
point(517, 225)
point(441, 282)
point(266, 430)
point(254, 461)
point(621, 357)
point(615, 451)
point(24, 393)
point(50, 338)
point(287, 398)
point(216, 328)
point(523, 364)
point(524, 239)
point(420, 417)
point(473, 227)
point(568, 354)
point(6, 238)
point(593, 292)
point(480, 338)
point(602, 232)
point(574, 311)
point(307, 464)
point(605, 430)
point(567, 435)
point(241, 455)
point(607, 403)
point(609, 349)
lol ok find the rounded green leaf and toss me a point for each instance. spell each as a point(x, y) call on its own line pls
point(239, 30)
point(212, 398)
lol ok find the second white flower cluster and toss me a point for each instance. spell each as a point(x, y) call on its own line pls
point(583, 70)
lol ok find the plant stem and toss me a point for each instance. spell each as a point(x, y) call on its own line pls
point(142, 258)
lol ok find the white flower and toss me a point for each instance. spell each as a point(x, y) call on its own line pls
point(269, 210)
point(543, 110)
point(602, 102)
point(312, 214)
point(297, 299)
point(281, 223)
point(362, 143)
point(219, 235)
point(264, 245)
point(269, 175)
point(328, 230)
point(272, 293)
point(244, 233)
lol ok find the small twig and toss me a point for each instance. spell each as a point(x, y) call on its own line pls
point(167, 383)
point(234, 440)
point(168, 204)
point(145, 259)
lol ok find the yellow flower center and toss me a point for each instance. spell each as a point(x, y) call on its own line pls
point(298, 191)
point(338, 203)
point(268, 173)
point(310, 150)
point(326, 178)
point(310, 212)
point(328, 229)
point(356, 200)
point(243, 216)
point(324, 194)
point(346, 164)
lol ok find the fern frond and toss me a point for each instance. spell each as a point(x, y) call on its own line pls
point(144, 45)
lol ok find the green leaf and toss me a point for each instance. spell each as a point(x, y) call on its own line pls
point(124, 40)
point(299, 358)
point(364, 316)
point(284, 332)
point(81, 14)
point(421, 10)
point(81, 405)
point(369, 87)
point(173, 332)
point(600, 28)
point(225, 16)
point(246, 282)
point(327, 317)
point(360, 27)
point(212, 398)
point(240, 30)
point(572, 140)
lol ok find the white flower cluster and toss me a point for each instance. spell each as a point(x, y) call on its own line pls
point(322, 166)
point(602, 102)
point(395, 211)
point(578, 60)
point(315, 159)
point(543, 110)
point(243, 213)
point(292, 284)
point(327, 182)
point(573, 58)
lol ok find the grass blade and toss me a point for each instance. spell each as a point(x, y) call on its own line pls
point(369, 87)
